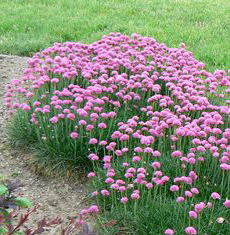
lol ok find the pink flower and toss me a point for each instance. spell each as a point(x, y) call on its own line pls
point(82, 122)
point(93, 141)
point(82, 112)
point(105, 192)
point(145, 140)
point(193, 214)
point(124, 137)
point(122, 188)
point(190, 230)
point(227, 203)
point(136, 159)
point(209, 204)
point(26, 107)
point(188, 194)
point(149, 185)
point(128, 175)
point(124, 150)
point(174, 188)
point(114, 186)
point(89, 127)
point(125, 164)
point(225, 166)
point(195, 190)
point(102, 125)
point(176, 154)
point(109, 180)
point(169, 232)
point(74, 135)
point(156, 154)
point(199, 207)
point(118, 153)
point(91, 174)
point(93, 209)
point(54, 119)
point(180, 199)
point(103, 142)
point(138, 150)
point(94, 157)
point(94, 194)
point(124, 200)
point(215, 196)
point(156, 165)
point(135, 196)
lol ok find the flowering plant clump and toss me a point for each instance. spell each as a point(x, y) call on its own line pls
point(141, 116)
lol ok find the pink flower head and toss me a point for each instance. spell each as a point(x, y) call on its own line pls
point(105, 192)
point(93, 157)
point(180, 199)
point(156, 154)
point(194, 190)
point(177, 154)
point(122, 188)
point(146, 140)
point(91, 175)
point(109, 180)
point(74, 135)
point(138, 150)
point(174, 188)
point(188, 194)
point(118, 152)
point(156, 165)
point(135, 196)
point(215, 196)
point(114, 186)
point(199, 207)
point(54, 119)
point(82, 122)
point(124, 150)
point(124, 137)
point(169, 231)
point(103, 143)
point(94, 194)
point(93, 209)
point(136, 159)
point(102, 125)
point(93, 141)
point(84, 211)
point(89, 127)
point(149, 185)
point(125, 164)
point(124, 200)
point(26, 107)
point(193, 214)
point(225, 166)
point(227, 203)
point(191, 230)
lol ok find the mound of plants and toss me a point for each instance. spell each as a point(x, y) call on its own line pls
point(149, 123)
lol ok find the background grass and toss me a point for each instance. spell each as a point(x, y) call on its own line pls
point(27, 26)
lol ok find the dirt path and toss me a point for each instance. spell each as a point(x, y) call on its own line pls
point(57, 197)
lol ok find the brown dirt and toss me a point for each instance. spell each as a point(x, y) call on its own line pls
point(58, 197)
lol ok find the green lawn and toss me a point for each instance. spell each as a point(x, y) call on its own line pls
point(27, 26)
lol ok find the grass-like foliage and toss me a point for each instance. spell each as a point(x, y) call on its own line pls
point(142, 117)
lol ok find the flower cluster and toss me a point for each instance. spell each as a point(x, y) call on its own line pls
point(142, 114)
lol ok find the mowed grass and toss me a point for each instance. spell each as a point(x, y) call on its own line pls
point(27, 26)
